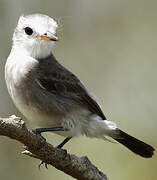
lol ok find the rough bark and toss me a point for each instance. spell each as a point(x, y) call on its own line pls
point(78, 167)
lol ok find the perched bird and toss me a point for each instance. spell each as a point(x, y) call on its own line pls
point(51, 96)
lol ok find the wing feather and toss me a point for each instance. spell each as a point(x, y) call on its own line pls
point(58, 80)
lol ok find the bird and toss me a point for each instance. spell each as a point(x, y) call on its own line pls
point(52, 97)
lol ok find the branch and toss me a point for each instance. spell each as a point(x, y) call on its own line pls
point(79, 168)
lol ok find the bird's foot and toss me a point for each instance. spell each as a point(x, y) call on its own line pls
point(43, 140)
point(41, 163)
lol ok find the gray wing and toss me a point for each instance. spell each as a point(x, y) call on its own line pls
point(58, 80)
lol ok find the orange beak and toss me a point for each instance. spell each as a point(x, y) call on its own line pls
point(52, 38)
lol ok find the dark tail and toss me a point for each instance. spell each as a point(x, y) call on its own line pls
point(135, 145)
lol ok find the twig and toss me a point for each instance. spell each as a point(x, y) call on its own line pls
point(79, 168)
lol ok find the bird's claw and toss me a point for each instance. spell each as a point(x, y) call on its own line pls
point(43, 140)
point(41, 163)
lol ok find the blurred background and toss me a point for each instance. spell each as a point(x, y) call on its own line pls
point(111, 45)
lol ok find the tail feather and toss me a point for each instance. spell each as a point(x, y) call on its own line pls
point(135, 145)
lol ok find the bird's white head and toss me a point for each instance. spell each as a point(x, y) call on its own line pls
point(35, 35)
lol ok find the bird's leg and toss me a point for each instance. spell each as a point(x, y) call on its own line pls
point(41, 130)
point(63, 142)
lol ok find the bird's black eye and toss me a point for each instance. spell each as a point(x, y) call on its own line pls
point(28, 31)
